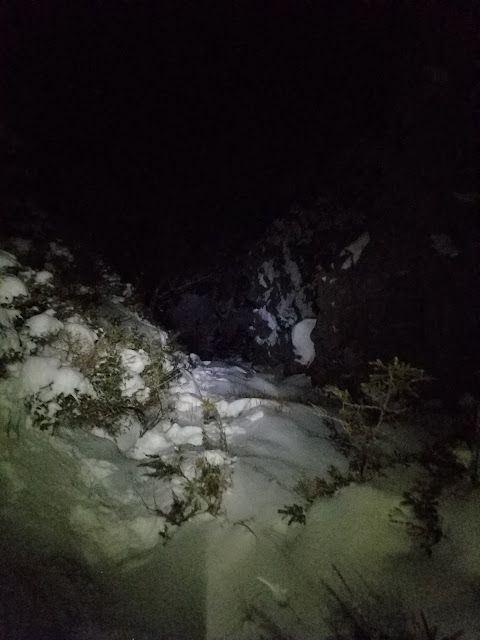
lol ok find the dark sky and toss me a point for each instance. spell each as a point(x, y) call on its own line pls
point(187, 125)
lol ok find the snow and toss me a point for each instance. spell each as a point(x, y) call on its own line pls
point(267, 274)
point(83, 495)
point(185, 435)
point(291, 268)
point(133, 360)
point(132, 384)
point(11, 287)
point(248, 556)
point(7, 259)
point(129, 431)
point(106, 531)
point(82, 337)
point(9, 338)
point(43, 324)
point(303, 346)
point(153, 442)
point(234, 408)
point(44, 278)
point(60, 251)
point(271, 321)
point(49, 377)
point(354, 250)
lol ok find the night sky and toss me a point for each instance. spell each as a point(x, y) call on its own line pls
point(170, 132)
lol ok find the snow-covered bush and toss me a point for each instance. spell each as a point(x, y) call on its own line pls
point(75, 368)
point(200, 485)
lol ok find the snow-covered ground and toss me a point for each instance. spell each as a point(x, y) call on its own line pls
point(81, 555)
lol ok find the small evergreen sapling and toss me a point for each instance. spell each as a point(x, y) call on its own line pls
point(386, 395)
point(294, 513)
point(199, 492)
point(422, 521)
point(358, 436)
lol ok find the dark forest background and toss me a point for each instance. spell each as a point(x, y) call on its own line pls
point(170, 133)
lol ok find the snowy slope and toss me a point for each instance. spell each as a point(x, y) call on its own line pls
point(80, 499)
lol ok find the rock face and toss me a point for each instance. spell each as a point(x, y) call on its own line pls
point(251, 306)
point(410, 292)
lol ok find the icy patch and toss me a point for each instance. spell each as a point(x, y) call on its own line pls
point(10, 288)
point(303, 346)
point(354, 250)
